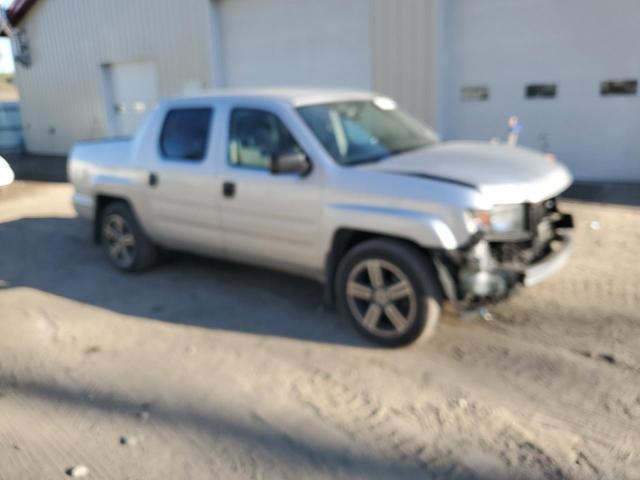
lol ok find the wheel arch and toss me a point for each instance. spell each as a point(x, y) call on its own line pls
point(344, 240)
point(102, 202)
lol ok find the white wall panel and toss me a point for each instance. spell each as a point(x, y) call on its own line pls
point(405, 54)
point(507, 44)
point(296, 42)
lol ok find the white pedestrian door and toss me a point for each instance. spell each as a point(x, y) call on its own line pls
point(131, 92)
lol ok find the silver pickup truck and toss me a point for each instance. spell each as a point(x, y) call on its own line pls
point(342, 187)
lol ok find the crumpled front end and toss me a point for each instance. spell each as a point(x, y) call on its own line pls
point(499, 261)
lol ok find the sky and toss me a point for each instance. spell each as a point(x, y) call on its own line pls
point(6, 58)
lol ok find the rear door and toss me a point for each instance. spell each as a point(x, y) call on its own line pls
point(182, 180)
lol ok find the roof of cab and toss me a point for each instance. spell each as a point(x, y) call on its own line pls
point(294, 96)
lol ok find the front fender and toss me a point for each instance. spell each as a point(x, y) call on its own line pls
point(425, 229)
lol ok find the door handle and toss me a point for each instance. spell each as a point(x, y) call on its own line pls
point(153, 179)
point(228, 189)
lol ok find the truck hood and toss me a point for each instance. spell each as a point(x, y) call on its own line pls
point(501, 173)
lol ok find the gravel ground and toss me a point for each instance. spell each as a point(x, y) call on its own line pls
point(204, 369)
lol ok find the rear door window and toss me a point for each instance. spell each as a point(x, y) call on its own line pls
point(185, 134)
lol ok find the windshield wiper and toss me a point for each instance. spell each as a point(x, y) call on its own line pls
point(409, 149)
point(359, 161)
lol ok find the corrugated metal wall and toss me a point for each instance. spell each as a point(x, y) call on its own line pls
point(70, 40)
point(505, 45)
point(296, 42)
point(405, 42)
point(388, 45)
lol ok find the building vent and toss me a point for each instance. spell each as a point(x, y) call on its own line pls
point(541, 90)
point(476, 93)
point(618, 87)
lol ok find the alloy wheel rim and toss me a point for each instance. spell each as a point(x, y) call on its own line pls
point(119, 240)
point(381, 298)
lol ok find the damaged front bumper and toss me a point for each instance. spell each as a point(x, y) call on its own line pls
point(549, 265)
point(489, 271)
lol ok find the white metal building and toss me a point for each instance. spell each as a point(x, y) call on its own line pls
point(567, 69)
point(572, 47)
point(96, 67)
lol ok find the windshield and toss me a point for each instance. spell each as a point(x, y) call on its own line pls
point(365, 131)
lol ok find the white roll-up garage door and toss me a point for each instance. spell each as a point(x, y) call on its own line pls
point(549, 62)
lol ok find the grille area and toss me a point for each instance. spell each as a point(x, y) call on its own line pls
point(540, 235)
point(537, 212)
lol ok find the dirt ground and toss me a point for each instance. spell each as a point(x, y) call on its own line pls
point(204, 369)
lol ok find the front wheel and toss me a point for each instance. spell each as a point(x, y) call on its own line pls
point(390, 292)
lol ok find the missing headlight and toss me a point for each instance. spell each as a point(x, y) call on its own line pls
point(508, 219)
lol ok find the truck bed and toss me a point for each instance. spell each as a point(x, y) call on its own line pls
point(97, 163)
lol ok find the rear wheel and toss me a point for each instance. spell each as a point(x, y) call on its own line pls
point(390, 292)
point(127, 246)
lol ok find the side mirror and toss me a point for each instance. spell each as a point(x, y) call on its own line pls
point(290, 163)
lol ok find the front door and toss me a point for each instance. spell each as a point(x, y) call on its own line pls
point(269, 219)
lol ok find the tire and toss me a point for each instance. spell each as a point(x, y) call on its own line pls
point(126, 245)
point(390, 291)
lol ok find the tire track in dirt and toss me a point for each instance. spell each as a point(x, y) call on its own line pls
point(425, 434)
point(554, 389)
point(559, 374)
point(50, 453)
point(360, 416)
